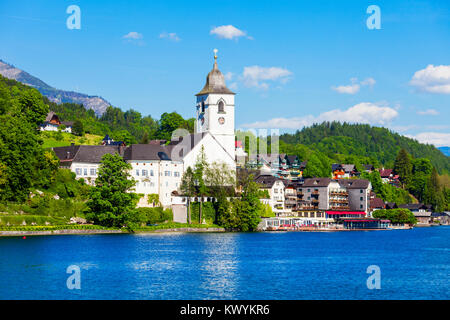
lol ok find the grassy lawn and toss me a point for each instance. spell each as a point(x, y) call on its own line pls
point(55, 139)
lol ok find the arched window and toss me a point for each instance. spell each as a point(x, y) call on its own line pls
point(221, 107)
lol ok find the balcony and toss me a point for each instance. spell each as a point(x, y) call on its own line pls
point(340, 208)
point(338, 193)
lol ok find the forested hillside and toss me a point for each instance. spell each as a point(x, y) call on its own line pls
point(331, 138)
point(129, 126)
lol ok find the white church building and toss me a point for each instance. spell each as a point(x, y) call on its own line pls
point(157, 168)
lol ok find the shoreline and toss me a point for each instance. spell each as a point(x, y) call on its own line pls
point(94, 232)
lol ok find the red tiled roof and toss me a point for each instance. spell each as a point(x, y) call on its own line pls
point(377, 203)
point(385, 173)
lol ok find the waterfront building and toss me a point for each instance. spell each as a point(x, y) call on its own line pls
point(276, 190)
point(52, 123)
point(421, 211)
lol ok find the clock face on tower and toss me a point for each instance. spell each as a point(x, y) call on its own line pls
point(221, 120)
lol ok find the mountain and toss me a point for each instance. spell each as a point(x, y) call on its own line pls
point(445, 150)
point(382, 144)
point(98, 104)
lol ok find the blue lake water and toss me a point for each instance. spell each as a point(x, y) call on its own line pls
point(414, 264)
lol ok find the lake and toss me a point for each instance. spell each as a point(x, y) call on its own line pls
point(414, 264)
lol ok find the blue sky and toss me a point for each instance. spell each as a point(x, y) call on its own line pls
point(291, 63)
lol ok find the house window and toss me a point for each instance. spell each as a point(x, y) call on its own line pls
point(78, 171)
point(144, 173)
point(361, 198)
point(151, 173)
point(309, 190)
point(221, 107)
point(93, 171)
point(137, 172)
point(167, 173)
point(360, 191)
point(203, 106)
point(85, 171)
point(176, 174)
point(361, 206)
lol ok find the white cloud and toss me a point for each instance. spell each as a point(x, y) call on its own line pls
point(350, 89)
point(355, 86)
point(438, 139)
point(365, 112)
point(228, 32)
point(428, 112)
point(133, 35)
point(432, 79)
point(256, 76)
point(169, 35)
point(368, 82)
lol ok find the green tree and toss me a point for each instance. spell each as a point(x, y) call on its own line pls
point(168, 123)
point(187, 189)
point(200, 168)
point(78, 128)
point(434, 194)
point(145, 139)
point(32, 107)
point(396, 216)
point(403, 167)
point(250, 207)
point(314, 168)
point(112, 202)
point(20, 150)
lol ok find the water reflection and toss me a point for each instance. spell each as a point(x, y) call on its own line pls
point(219, 264)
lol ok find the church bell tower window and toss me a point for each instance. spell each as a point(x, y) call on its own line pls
point(221, 107)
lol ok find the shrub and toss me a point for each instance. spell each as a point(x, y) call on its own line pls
point(154, 215)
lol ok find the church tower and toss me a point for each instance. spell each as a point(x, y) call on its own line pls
point(215, 109)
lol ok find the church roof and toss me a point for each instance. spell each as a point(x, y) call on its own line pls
point(215, 82)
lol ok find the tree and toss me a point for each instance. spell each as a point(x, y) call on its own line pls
point(396, 216)
point(434, 194)
point(112, 204)
point(32, 107)
point(250, 207)
point(219, 179)
point(403, 167)
point(168, 123)
point(200, 169)
point(145, 139)
point(187, 188)
point(78, 128)
point(313, 167)
point(20, 151)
